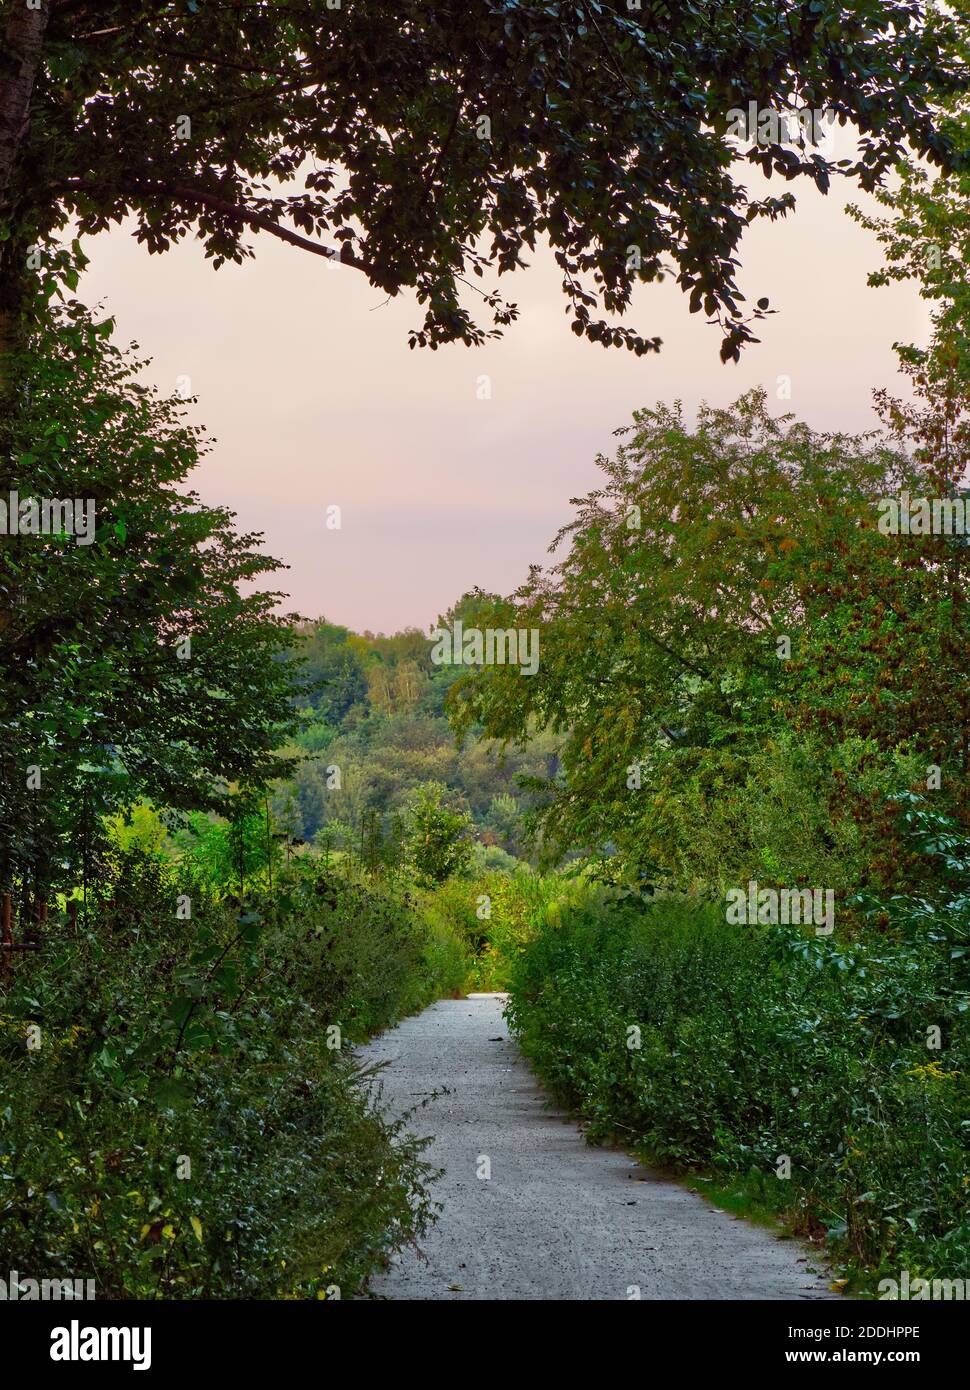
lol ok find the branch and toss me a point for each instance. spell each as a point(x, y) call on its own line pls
point(183, 193)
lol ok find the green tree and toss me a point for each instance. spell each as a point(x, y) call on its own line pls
point(502, 818)
point(438, 141)
point(726, 584)
point(334, 671)
point(134, 666)
point(436, 838)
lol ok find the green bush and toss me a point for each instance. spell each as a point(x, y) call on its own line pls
point(363, 951)
point(189, 1125)
point(756, 1043)
point(495, 913)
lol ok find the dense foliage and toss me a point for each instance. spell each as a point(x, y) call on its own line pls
point(438, 141)
point(137, 661)
point(180, 1113)
point(375, 734)
point(731, 1050)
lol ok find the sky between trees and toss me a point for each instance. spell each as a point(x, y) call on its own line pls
point(305, 379)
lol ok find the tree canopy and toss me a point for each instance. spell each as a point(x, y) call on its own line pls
point(438, 142)
point(729, 613)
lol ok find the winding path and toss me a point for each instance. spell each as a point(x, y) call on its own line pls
point(554, 1218)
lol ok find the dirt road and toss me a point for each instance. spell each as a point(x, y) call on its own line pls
point(530, 1211)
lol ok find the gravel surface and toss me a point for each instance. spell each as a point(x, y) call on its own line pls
point(551, 1217)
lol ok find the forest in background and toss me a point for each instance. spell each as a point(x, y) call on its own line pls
point(374, 729)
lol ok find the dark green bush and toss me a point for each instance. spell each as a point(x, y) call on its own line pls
point(761, 1042)
point(363, 952)
point(208, 1040)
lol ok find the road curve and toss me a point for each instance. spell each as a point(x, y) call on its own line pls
point(529, 1210)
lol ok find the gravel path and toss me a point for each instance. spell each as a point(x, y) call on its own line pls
point(554, 1218)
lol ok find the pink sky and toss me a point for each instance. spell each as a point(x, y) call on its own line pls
point(313, 397)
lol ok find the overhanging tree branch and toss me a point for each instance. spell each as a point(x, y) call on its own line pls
point(202, 197)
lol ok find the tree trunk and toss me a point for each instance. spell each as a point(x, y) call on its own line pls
point(23, 44)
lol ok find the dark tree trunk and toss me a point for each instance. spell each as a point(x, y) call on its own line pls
point(23, 44)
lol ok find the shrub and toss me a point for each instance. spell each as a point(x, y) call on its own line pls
point(187, 1127)
point(362, 950)
point(496, 912)
point(756, 1043)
